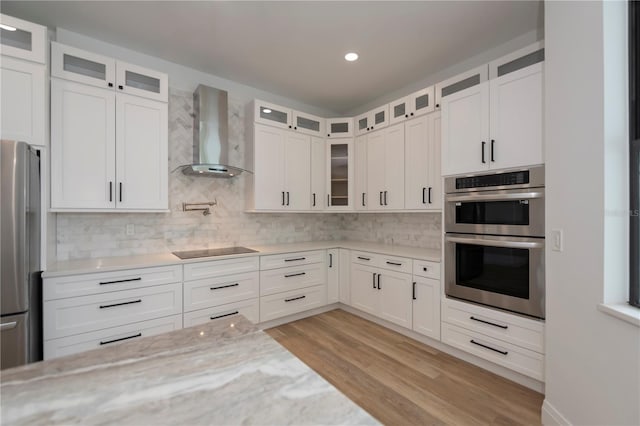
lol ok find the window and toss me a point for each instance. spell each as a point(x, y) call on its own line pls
point(634, 152)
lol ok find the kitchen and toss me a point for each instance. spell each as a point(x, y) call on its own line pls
point(78, 236)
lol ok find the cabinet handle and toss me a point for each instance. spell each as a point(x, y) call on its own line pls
point(489, 347)
point(493, 142)
point(295, 260)
point(483, 144)
point(429, 195)
point(110, 191)
point(120, 281)
point(295, 275)
point(385, 198)
point(374, 280)
point(413, 292)
point(224, 315)
point(120, 304)
point(423, 195)
point(330, 260)
point(364, 258)
point(381, 198)
point(294, 298)
point(224, 286)
point(283, 198)
point(488, 322)
point(379, 275)
point(314, 199)
point(394, 263)
point(120, 191)
point(121, 339)
point(287, 197)
point(110, 84)
point(363, 199)
point(328, 200)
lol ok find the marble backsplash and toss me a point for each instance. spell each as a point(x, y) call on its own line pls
point(89, 235)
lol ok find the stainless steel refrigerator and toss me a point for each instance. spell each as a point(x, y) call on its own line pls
point(20, 281)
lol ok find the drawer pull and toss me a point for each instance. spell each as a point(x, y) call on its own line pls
point(121, 281)
point(295, 260)
point(224, 286)
point(224, 315)
point(121, 339)
point(413, 293)
point(120, 304)
point(488, 322)
point(489, 347)
point(364, 258)
point(294, 298)
point(295, 275)
point(394, 263)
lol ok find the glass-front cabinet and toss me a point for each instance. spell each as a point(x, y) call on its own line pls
point(339, 127)
point(340, 174)
point(414, 105)
point(73, 64)
point(271, 114)
point(307, 123)
point(22, 39)
point(373, 120)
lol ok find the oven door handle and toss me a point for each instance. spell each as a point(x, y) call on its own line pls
point(497, 197)
point(495, 243)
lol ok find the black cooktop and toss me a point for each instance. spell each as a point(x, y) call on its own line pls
point(192, 254)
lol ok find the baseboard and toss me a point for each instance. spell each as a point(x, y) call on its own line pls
point(523, 380)
point(551, 416)
point(295, 317)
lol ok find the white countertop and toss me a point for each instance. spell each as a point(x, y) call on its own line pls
point(106, 264)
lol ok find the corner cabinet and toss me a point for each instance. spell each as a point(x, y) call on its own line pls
point(109, 148)
point(339, 174)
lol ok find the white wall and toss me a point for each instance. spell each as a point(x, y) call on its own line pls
point(592, 359)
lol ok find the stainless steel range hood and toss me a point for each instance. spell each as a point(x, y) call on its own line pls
point(211, 147)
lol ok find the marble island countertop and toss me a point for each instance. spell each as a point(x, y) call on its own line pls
point(223, 372)
point(106, 264)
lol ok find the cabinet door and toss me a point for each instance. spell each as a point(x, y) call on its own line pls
point(364, 292)
point(363, 124)
point(360, 164)
point(27, 41)
point(345, 276)
point(395, 297)
point(340, 174)
point(82, 146)
point(333, 275)
point(269, 189)
point(23, 101)
point(417, 163)
point(271, 114)
point(434, 190)
point(85, 67)
point(139, 81)
point(394, 167)
point(318, 170)
point(376, 170)
point(465, 130)
point(142, 162)
point(426, 307)
point(297, 171)
point(516, 118)
point(422, 102)
point(339, 127)
point(307, 123)
point(399, 110)
point(379, 117)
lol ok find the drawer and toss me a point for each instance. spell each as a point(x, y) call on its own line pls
point(426, 269)
point(394, 263)
point(515, 358)
point(285, 279)
point(111, 336)
point(103, 282)
point(216, 268)
point(66, 317)
point(211, 292)
point(292, 259)
point(249, 308)
point(364, 258)
point(291, 302)
point(513, 329)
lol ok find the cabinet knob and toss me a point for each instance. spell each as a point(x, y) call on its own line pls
point(120, 87)
point(328, 134)
point(437, 105)
point(367, 128)
point(412, 114)
point(406, 116)
point(110, 84)
point(371, 127)
point(295, 128)
point(289, 126)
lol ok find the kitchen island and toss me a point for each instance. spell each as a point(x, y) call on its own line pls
point(223, 372)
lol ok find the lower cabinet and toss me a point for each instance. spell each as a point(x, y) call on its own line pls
point(426, 307)
point(291, 302)
point(250, 309)
point(333, 276)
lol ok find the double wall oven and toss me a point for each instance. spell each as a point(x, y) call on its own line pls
point(494, 241)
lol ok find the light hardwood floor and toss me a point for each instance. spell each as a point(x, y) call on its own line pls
point(400, 381)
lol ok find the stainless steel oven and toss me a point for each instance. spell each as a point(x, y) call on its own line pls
point(494, 242)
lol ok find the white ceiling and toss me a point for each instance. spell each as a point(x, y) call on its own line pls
point(296, 49)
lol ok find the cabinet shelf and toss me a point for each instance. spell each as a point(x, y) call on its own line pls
point(340, 180)
point(340, 158)
point(340, 196)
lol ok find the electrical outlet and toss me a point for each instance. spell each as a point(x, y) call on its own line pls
point(557, 240)
point(130, 229)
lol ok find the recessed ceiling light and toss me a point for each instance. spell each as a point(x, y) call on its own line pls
point(266, 110)
point(7, 27)
point(351, 56)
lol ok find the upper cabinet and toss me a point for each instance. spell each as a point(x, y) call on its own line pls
point(422, 176)
point(74, 64)
point(498, 123)
point(109, 148)
point(22, 39)
point(414, 105)
point(339, 127)
point(375, 119)
point(275, 115)
point(340, 174)
point(23, 79)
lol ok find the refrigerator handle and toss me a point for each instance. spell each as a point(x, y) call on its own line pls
point(8, 325)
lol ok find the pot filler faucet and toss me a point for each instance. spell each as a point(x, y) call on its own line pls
point(204, 207)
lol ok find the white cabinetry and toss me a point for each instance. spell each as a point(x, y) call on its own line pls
point(23, 82)
point(339, 127)
point(333, 276)
point(318, 173)
point(423, 182)
point(426, 298)
point(498, 123)
point(109, 149)
point(375, 119)
point(414, 105)
point(339, 174)
point(285, 118)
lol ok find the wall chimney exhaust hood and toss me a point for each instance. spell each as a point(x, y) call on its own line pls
point(211, 147)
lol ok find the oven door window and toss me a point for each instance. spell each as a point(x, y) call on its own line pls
point(510, 212)
point(494, 269)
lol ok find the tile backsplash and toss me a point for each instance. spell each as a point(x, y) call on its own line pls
point(88, 235)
